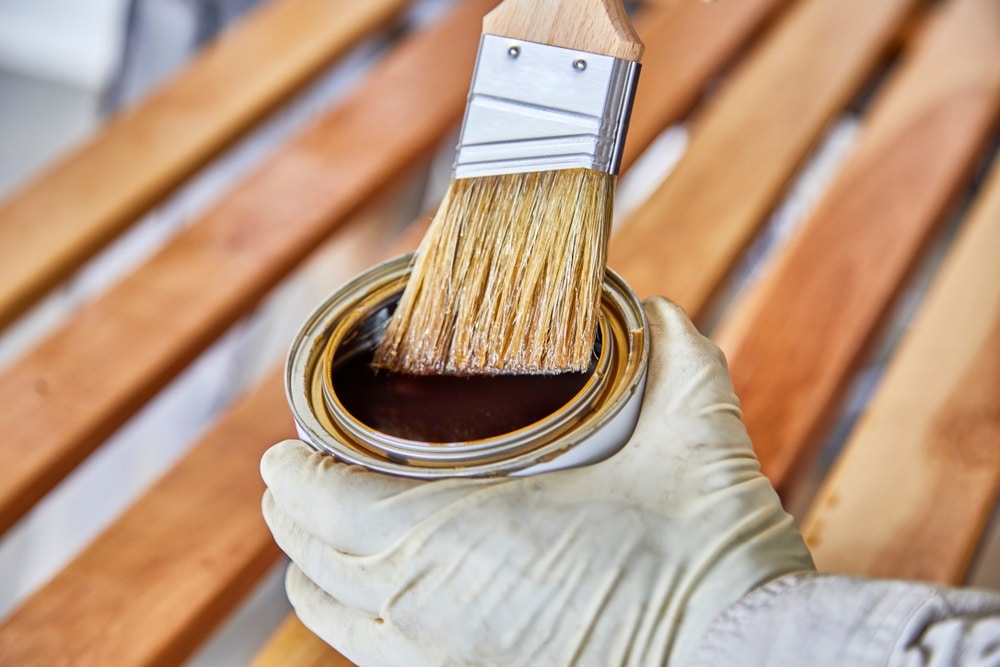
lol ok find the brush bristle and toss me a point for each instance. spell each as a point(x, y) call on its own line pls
point(508, 278)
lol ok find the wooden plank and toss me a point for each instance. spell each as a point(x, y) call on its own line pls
point(794, 343)
point(747, 143)
point(66, 214)
point(294, 644)
point(157, 582)
point(61, 399)
point(925, 453)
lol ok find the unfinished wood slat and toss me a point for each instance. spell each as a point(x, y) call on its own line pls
point(61, 218)
point(64, 397)
point(913, 490)
point(794, 344)
point(747, 144)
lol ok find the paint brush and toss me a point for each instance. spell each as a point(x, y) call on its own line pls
point(508, 278)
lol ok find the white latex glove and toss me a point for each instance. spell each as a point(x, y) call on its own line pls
point(624, 562)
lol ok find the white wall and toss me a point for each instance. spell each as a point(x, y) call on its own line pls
point(71, 42)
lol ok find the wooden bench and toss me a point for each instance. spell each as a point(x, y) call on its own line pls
point(757, 84)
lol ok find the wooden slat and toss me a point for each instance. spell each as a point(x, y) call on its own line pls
point(294, 645)
point(61, 399)
point(686, 44)
point(747, 144)
point(914, 488)
point(157, 581)
point(793, 346)
point(61, 218)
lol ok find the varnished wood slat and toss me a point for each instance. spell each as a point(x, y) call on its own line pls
point(62, 398)
point(62, 217)
point(157, 581)
point(914, 488)
point(746, 145)
point(793, 346)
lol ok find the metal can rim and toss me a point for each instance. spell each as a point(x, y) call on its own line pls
point(338, 433)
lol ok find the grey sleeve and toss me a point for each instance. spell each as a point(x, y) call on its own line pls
point(826, 620)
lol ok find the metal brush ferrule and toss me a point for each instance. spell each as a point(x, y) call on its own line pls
point(535, 107)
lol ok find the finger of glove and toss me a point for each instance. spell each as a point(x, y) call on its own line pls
point(340, 575)
point(690, 418)
point(687, 373)
point(362, 638)
point(352, 509)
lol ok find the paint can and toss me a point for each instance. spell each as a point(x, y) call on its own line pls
point(431, 428)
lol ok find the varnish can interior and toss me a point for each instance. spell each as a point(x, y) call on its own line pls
point(434, 427)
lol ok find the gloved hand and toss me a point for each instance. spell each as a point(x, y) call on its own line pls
point(622, 562)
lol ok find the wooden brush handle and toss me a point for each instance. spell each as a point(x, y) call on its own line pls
point(597, 26)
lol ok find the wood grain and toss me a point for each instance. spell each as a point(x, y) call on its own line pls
point(70, 211)
point(747, 143)
point(914, 488)
point(597, 26)
point(794, 343)
point(82, 382)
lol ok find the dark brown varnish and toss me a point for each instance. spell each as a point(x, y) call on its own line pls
point(435, 408)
